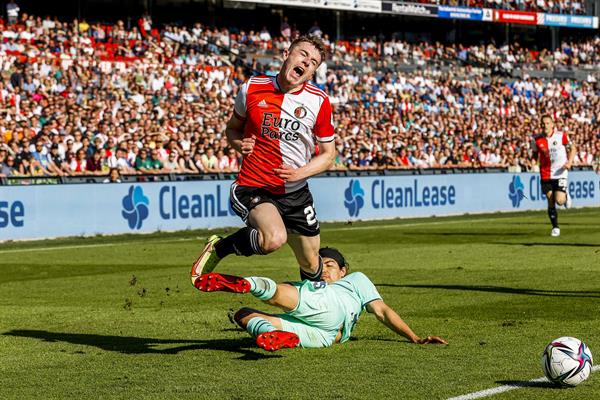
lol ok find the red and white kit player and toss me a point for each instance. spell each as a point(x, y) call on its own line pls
point(283, 127)
point(551, 149)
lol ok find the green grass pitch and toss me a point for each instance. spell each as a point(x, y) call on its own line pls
point(117, 318)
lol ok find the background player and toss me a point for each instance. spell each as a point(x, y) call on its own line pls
point(275, 123)
point(551, 150)
point(317, 314)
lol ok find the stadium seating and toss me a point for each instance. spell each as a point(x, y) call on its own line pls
point(83, 98)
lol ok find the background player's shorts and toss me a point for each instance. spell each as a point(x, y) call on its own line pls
point(555, 185)
point(296, 209)
point(318, 317)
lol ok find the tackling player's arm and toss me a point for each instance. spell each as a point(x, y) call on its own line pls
point(320, 163)
point(387, 316)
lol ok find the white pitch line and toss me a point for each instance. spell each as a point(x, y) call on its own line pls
point(89, 246)
point(504, 388)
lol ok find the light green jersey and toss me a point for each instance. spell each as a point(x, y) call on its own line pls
point(354, 292)
point(325, 309)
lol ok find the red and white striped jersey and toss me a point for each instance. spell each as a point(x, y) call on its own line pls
point(552, 155)
point(286, 127)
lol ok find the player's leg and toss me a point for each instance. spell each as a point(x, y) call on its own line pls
point(560, 193)
point(265, 231)
point(560, 198)
point(283, 295)
point(313, 321)
point(273, 332)
point(244, 315)
point(552, 213)
point(267, 329)
point(300, 218)
point(264, 234)
point(306, 250)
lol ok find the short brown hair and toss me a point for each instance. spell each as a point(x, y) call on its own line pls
point(315, 41)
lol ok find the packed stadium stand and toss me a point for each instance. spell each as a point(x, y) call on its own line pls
point(85, 98)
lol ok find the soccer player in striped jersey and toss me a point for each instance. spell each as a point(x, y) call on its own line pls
point(317, 314)
point(283, 127)
point(551, 150)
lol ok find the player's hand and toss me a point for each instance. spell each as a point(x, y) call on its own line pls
point(288, 173)
point(248, 145)
point(567, 165)
point(432, 340)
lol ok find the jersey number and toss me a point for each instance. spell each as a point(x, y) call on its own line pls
point(319, 284)
point(311, 218)
point(562, 183)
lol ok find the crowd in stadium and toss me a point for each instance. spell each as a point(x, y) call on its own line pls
point(498, 58)
point(79, 98)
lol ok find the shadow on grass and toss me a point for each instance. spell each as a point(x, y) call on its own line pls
point(531, 244)
point(501, 289)
point(531, 384)
point(137, 345)
point(546, 223)
point(474, 234)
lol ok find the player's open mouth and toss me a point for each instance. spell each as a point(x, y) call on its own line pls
point(299, 71)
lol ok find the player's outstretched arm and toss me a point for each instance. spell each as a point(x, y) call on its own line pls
point(387, 316)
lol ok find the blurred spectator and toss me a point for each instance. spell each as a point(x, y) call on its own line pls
point(315, 30)
point(286, 29)
point(186, 163)
point(209, 160)
point(12, 12)
point(113, 176)
point(233, 160)
point(171, 164)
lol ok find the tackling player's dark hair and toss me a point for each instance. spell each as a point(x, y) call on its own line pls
point(334, 254)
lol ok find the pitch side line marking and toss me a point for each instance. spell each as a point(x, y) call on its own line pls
point(88, 246)
point(505, 388)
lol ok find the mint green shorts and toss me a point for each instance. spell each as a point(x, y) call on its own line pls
point(318, 317)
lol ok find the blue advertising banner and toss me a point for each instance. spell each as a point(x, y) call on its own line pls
point(32, 212)
point(569, 21)
point(422, 196)
point(473, 14)
point(72, 210)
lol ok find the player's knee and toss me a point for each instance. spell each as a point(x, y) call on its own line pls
point(273, 241)
point(242, 316)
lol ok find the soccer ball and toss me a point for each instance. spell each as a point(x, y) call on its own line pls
point(567, 361)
